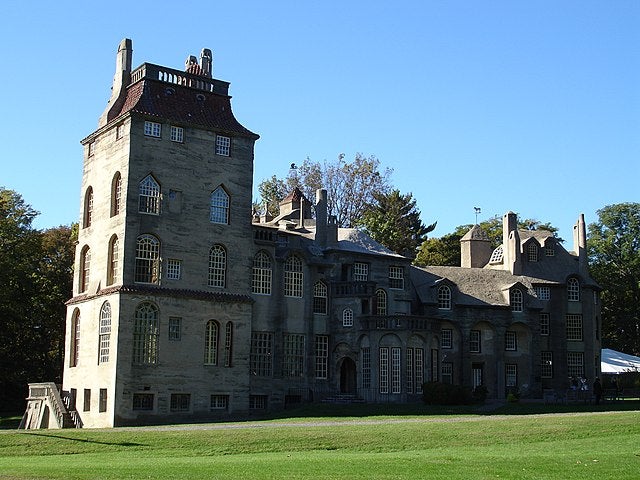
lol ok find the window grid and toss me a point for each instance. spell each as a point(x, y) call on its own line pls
point(543, 293)
point(177, 134)
point(173, 269)
point(152, 129)
point(419, 367)
point(262, 274)
point(223, 145)
point(114, 253)
point(85, 269)
point(175, 328)
point(444, 298)
point(149, 196)
point(180, 402)
point(320, 298)
point(532, 252)
point(211, 343)
point(546, 364)
point(293, 277)
point(474, 341)
point(511, 341)
point(322, 356)
point(261, 357)
point(257, 402)
point(384, 370)
point(545, 326)
point(217, 266)
point(228, 344)
point(116, 195)
point(516, 300)
point(366, 367)
point(446, 338)
point(395, 370)
point(360, 272)
point(511, 374)
point(142, 401)
point(347, 317)
point(105, 333)
point(147, 260)
point(293, 359)
point(219, 212)
point(145, 335)
point(219, 402)
point(446, 369)
point(573, 290)
point(574, 327)
point(409, 370)
point(381, 302)
point(549, 251)
point(575, 364)
point(396, 278)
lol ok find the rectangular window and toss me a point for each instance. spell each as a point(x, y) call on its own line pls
point(446, 338)
point(86, 406)
point(293, 359)
point(119, 131)
point(143, 401)
point(395, 370)
point(546, 364)
point(549, 251)
point(396, 278)
point(474, 341)
point(383, 374)
point(415, 370)
point(511, 341)
point(219, 402)
point(175, 328)
point(261, 357)
point(177, 134)
point(92, 148)
point(102, 406)
point(409, 370)
point(322, 356)
point(575, 364)
point(257, 402)
point(574, 328)
point(173, 269)
point(222, 145)
point(180, 402)
point(360, 272)
point(543, 293)
point(152, 129)
point(366, 367)
point(511, 374)
point(545, 326)
point(447, 372)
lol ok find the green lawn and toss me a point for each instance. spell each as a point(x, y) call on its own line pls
point(565, 446)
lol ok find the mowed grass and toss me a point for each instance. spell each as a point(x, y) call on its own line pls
point(562, 446)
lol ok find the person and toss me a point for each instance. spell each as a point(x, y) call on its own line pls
point(597, 390)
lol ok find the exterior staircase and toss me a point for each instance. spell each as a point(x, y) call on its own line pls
point(47, 408)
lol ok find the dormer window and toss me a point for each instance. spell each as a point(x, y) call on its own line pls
point(444, 298)
point(532, 252)
point(516, 300)
point(549, 250)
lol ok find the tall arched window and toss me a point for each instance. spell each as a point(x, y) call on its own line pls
point(228, 344)
point(112, 260)
point(347, 317)
point(217, 266)
point(88, 208)
point(116, 194)
point(147, 259)
point(219, 206)
point(104, 337)
point(516, 300)
point(381, 302)
point(85, 267)
point(211, 343)
point(149, 196)
point(444, 298)
point(573, 290)
point(293, 277)
point(145, 334)
point(262, 272)
point(320, 298)
point(74, 351)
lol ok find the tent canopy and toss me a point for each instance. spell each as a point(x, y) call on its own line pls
point(618, 362)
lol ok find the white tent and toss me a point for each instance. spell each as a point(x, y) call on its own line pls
point(618, 362)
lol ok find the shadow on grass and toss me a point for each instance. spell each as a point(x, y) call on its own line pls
point(85, 440)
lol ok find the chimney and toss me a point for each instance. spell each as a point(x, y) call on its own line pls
point(580, 243)
point(121, 80)
point(206, 62)
point(511, 244)
point(321, 217)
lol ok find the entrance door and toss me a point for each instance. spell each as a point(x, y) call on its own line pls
point(476, 373)
point(348, 376)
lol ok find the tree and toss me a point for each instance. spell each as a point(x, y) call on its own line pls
point(614, 253)
point(393, 220)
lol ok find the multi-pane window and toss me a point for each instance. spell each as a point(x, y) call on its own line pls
point(219, 402)
point(510, 341)
point(381, 302)
point(396, 278)
point(149, 196)
point(257, 402)
point(219, 206)
point(574, 327)
point(320, 298)
point(444, 298)
point(75, 339)
point(211, 343)
point(175, 328)
point(116, 194)
point(575, 364)
point(360, 272)
point(262, 274)
point(147, 269)
point(85, 268)
point(88, 208)
point(347, 317)
point(145, 334)
point(173, 269)
point(497, 255)
point(511, 374)
point(104, 336)
point(395, 370)
point(474, 341)
point(143, 401)
point(545, 325)
point(223, 145)
point(217, 266)
point(261, 354)
point(546, 364)
point(383, 373)
point(102, 401)
point(415, 369)
point(322, 356)
point(152, 129)
point(293, 277)
point(180, 402)
point(516, 300)
point(573, 290)
point(177, 134)
point(446, 338)
point(446, 372)
point(228, 344)
point(366, 367)
point(549, 250)
point(114, 252)
point(532, 252)
point(293, 359)
point(543, 293)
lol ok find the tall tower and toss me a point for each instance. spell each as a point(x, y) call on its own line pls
point(161, 314)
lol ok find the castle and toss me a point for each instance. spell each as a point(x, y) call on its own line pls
point(187, 308)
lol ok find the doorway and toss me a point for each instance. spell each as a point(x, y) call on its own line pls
point(348, 376)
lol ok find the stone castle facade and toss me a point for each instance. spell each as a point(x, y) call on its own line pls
point(185, 307)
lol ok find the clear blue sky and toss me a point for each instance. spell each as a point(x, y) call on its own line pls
point(526, 106)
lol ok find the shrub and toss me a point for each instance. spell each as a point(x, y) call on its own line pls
point(437, 393)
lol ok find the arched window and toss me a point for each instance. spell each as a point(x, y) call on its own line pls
point(74, 352)
point(145, 334)
point(116, 194)
point(85, 266)
point(320, 298)
point(147, 259)
point(228, 344)
point(516, 300)
point(573, 290)
point(262, 272)
point(149, 196)
point(219, 206)
point(444, 298)
point(293, 277)
point(381, 302)
point(217, 266)
point(88, 208)
point(112, 260)
point(104, 337)
point(211, 343)
point(347, 317)
point(532, 252)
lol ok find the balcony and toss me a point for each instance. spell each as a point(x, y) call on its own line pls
point(353, 289)
point(394, 323)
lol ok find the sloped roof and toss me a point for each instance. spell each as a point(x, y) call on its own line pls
point(357, 241)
